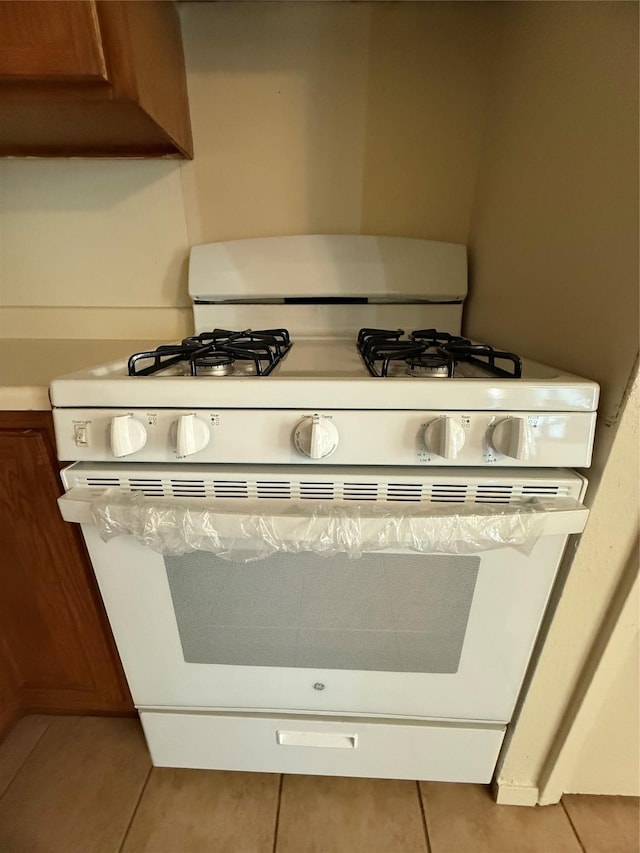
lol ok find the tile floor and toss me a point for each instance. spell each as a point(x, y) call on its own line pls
point(86, 785)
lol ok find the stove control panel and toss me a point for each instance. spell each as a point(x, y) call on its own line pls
point(336, 437)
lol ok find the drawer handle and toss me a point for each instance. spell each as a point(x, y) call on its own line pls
point(318, 739)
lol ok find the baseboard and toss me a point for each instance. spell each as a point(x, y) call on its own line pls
point(508, 794)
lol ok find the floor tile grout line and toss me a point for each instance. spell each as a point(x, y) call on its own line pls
point(277, 823)
point(27, 756)
point(573, 827)
point(135, 809)
point(424, 818)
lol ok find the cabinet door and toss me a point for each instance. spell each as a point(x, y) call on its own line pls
point(9, 705)
point(53, 632)
point(92, 78)
point(51, 41)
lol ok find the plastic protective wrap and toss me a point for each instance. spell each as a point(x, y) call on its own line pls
point(255, 529)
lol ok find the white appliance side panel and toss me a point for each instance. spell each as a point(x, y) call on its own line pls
point(364, 438)
point(332, 748)
point(328, 265)
point(510, 596)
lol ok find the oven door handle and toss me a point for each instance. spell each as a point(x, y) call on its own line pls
point(75, 506)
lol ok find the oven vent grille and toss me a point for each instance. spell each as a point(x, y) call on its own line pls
point(101, 482)
point(152, 488)
point(404, 492)
point(317, 491)
point(188, 488)
point(229, 489)
point(278, 490)
point(448, 493)
point(360, 492)
point(327, 490)
point(492, 493)
point(543, 491)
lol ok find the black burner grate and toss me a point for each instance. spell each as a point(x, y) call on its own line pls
point(215, 353)
point(428, 352)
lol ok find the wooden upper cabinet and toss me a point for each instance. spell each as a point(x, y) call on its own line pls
point(94, 79)
point(54, 40)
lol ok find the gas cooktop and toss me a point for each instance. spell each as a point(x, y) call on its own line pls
point(216, 353)
point(275, 370)
point(423, 354)
point(431, 354)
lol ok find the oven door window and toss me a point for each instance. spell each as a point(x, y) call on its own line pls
point(384, 612)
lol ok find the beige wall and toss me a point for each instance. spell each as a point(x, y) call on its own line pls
point(92, 248)
point(317, 117)
point(553, 239)
point(554, 274)
point(426, 96)
point(278, 106)
point(307, 117)
point(609, 756)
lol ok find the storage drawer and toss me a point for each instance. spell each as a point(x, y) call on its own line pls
point(333, 747)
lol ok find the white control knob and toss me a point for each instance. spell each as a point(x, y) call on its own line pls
point(128, 435)
point(316, 437)
point(192, 435)
point(513, 437)
point(444, 437)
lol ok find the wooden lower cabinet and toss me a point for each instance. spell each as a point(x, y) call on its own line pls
point(56, 649)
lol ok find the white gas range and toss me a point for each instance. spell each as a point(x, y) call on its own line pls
point(330, 541)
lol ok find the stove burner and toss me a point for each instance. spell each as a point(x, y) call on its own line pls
point(428, 353)
point(216, 364)
point(429, 366)
point(215, 353)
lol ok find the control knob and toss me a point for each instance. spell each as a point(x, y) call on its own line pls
point(192, 435)
point(316, 437)
point(444, 437)
point(128, 435)
point(513, 437)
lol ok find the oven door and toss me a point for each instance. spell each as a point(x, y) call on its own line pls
point(389, 634)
